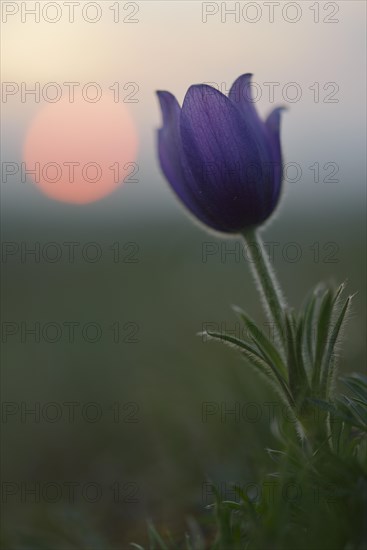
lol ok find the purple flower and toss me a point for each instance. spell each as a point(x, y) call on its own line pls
point(220, 158)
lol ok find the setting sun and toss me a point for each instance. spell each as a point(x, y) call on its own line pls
point(81, 150)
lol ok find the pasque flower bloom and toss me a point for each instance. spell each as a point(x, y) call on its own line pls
point(220, 158)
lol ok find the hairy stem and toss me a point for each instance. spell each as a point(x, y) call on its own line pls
point(271, 295)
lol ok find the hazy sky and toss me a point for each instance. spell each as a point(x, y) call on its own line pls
point(308, 56)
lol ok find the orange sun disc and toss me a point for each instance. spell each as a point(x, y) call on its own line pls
point(80, 151)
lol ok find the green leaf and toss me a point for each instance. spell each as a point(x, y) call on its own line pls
point(264, 345)
point(297, 375)
point(357, 383)
point(299, 346)
point(336, 429)
point(188, 542)
point(309, 329)
point(340, 410)
point(328, 366)
point(323, 326)
point(271, 376)
point(195, 537)
point(276, 455)
point(232, 341)
point(257, 360)
point(155, 538)
point(223, 515)
point(359, 412)
point(244, 497)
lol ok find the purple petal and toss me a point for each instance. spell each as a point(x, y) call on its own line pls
point(170, 156)
point(169, 139)
point(272, 125)
point(226, 157)
point(241, 96)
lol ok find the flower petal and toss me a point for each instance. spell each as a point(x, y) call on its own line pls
point(272, 125)
point(169, 140)
point(226, 157)
point(170, 156)
point(241, 96)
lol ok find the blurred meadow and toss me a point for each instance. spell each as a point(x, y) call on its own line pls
point(158, 279)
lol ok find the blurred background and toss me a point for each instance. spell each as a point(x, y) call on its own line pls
point(114, 410)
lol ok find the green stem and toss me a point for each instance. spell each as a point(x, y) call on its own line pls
point(267, 283)
point(275, 306)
